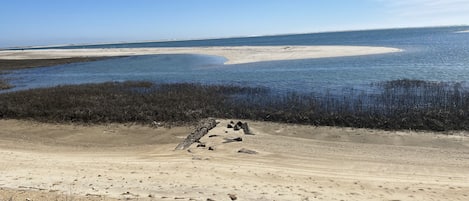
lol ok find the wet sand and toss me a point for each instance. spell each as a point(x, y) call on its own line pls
point(293, 162)
point(234, 55)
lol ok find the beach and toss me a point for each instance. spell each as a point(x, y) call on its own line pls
point(234, 55)
point(290, 162)
point(129, 161)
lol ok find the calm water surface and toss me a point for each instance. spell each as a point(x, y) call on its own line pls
point(437, 54)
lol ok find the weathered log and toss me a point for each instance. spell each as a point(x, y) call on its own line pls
point(202, 129)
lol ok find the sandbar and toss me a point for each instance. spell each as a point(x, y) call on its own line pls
point(233, 54)
point(467, 31)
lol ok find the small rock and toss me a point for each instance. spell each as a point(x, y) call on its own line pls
point(246, 129)
point(229, 126)
point(239, 123)
point(213, 136)
point(247, 151)
point(236, 127)
point(238, 139)
point(196, 158)
point(201, 145)
point(211, 148)
point(233, 196)
point(209, 199)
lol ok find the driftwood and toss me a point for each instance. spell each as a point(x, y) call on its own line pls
point(228, 140)
point(199, 132)
point(247, 151)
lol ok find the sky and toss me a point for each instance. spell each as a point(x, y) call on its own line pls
point(55, 22)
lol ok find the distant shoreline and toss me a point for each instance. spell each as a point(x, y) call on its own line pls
point(234, 55)
point(15, 64)
point(49, 46)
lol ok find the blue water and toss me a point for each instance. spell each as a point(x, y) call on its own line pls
point(436, 54)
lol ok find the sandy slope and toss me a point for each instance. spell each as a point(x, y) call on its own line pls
point(46, 161)
point(235, 55)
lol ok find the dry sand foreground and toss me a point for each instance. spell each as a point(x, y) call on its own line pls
point(68, 162)
point(234, 55)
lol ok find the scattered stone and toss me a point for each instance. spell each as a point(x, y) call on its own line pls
point(209, 199)
point(239, 123)
point(201, 145)
point(247, 151)
point(229, 126)
point(246, 129)
point(213, 136)
point(236, 127)
point(231, 122)
point(233, 196)
point(238, 139)
point(211, 148)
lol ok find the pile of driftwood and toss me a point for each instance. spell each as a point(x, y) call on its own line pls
point(202, 129)
point(205, 126)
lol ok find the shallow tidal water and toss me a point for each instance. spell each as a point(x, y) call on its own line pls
point(434, 54)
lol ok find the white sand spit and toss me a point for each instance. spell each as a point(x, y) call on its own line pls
point(234, 55)
point(467, 31)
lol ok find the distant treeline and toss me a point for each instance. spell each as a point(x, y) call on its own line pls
point(394, 105)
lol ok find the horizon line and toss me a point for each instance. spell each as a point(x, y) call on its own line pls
point(215, 38)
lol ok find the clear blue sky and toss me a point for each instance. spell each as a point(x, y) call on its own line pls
point(47, 22)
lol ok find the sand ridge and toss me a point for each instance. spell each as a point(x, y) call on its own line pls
point(293, 162)
point(233, 54)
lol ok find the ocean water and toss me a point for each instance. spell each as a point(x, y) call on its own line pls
point(435, 54)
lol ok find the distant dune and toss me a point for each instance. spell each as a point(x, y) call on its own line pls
point(234, 55)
